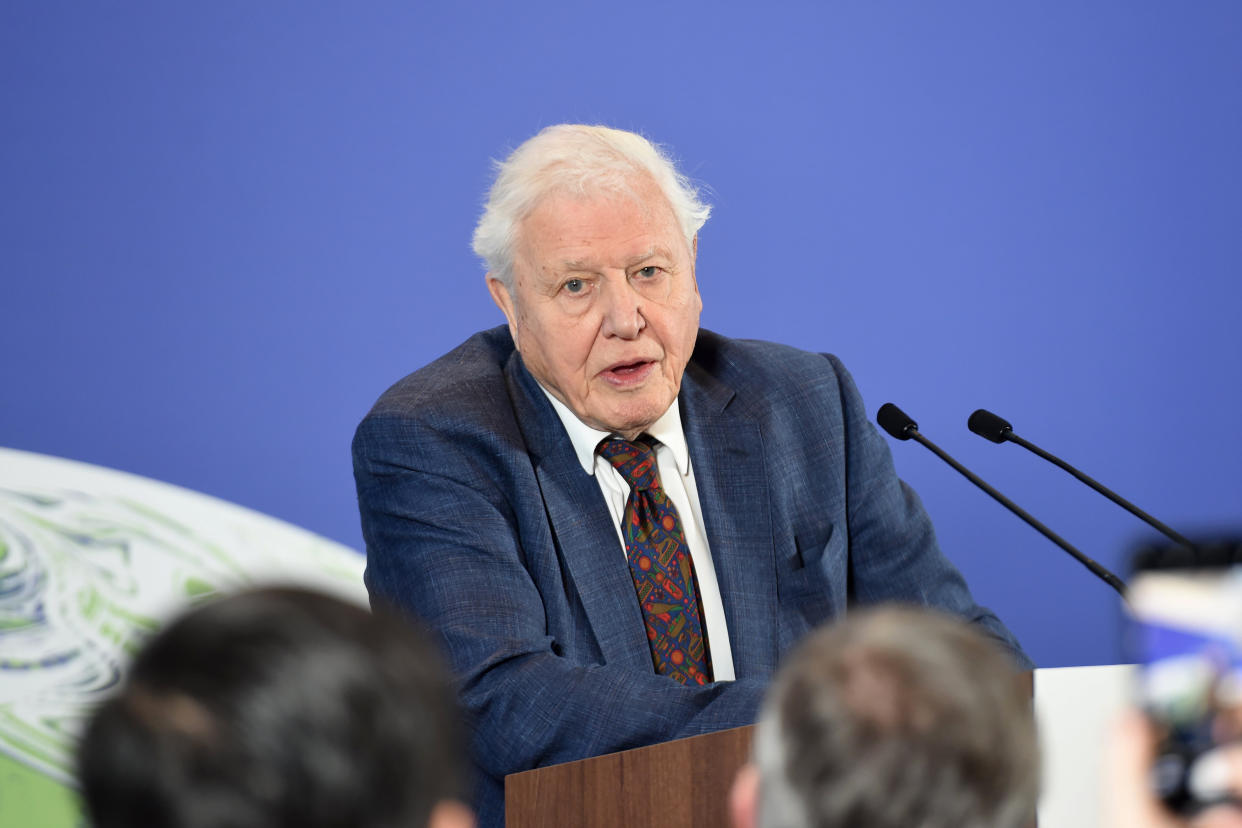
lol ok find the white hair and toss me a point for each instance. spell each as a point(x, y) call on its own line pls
point(581, 160)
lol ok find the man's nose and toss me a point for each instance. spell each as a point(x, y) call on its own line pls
point(623, 310)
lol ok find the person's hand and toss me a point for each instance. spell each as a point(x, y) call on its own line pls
point(1129, 799)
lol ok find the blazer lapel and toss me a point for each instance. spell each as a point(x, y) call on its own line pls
point(582, 530)
point(726, 451)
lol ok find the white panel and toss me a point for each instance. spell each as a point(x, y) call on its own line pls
point(1076, 708)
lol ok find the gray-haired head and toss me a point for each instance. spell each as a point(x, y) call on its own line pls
point(895, 718)
point(582, 160)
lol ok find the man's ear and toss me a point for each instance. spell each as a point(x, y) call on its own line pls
point(504, 300)
point(694, 257)
point(449, 813)
point(744, 797)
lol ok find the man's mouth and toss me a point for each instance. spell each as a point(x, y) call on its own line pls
point(628, 373)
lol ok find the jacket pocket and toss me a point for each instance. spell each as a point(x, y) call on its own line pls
point(813, 587)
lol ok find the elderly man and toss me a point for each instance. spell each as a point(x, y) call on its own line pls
point(617, 521)
point(889, 719)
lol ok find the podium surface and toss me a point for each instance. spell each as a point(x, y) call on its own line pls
point(679, 784)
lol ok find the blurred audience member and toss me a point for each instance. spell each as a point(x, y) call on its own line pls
point(279, 707)
point(1128, 792)
point(893, 718)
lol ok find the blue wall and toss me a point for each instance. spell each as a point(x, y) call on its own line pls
point(225, 228)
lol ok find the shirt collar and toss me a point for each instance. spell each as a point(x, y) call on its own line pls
point(585, 439)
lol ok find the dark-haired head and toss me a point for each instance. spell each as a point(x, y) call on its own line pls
point(278, 707)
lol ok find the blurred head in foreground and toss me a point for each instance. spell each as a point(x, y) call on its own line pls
point(893, 718)
point(279, 707)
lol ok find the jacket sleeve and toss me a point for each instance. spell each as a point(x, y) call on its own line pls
point(443, 543)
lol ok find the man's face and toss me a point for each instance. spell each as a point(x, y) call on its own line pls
point(605, 307)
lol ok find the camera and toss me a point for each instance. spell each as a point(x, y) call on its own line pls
point(1184, 630)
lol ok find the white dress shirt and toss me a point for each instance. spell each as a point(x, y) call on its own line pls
point(677, 480)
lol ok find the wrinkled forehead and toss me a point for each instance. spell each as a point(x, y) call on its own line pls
point(627, 185)
point(626, 188)
point(635, 214)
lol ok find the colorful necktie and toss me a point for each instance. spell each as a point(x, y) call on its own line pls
point(660, 564)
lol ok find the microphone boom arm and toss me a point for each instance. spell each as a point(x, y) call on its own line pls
point(1096, 569)
point(1102, 489)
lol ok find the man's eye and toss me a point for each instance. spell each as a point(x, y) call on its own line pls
point(575, 285)
point(649, 272)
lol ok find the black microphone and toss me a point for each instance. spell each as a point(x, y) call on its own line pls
point(899, 425)
point(998, 430)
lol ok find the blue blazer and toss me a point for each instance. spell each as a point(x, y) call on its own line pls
point(479, 519)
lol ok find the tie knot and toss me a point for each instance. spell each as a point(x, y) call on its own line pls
point(635, 460)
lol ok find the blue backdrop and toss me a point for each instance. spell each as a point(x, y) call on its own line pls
point(225, 228)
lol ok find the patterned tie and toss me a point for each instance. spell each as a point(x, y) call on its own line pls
point(661, 566)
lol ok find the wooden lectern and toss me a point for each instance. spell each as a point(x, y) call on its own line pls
point(636, 788)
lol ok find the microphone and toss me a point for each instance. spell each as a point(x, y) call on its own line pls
point(991, 427)
point(900, 426)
